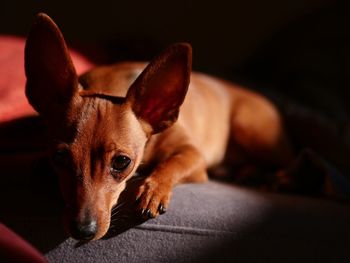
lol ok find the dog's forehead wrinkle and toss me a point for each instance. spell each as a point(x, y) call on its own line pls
point(90, 115)
point(102, 128)
point(85, 130)
point(83, 115)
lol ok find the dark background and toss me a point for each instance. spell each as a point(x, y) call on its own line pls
point(297, 48)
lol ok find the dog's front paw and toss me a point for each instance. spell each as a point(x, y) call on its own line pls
point(153, 198)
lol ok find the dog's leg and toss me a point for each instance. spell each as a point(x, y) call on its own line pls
point(184, 165)
point(258, 131)
point(258, 144)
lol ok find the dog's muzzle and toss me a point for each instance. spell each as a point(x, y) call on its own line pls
point(84, 231)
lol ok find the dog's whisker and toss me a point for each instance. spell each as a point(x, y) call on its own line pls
point(120, 218)
point(119, 205)
point(116, 212)
point(117, 208)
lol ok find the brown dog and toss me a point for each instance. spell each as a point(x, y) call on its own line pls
point(104, 124)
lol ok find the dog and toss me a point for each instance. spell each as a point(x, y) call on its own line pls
point(160, 116)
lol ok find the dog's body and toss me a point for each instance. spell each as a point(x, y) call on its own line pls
point(236, 113)
point(113, 120)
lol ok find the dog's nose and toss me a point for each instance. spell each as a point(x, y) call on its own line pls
point(84, 231)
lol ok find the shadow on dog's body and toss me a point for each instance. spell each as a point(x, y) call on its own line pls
point(113, 120)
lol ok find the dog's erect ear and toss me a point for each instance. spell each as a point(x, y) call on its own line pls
point(157, 94)
point(51, 76)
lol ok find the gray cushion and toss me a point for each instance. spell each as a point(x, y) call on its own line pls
point(207, 222)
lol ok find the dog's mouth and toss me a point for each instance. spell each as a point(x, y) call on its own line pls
point(88, 230)
point(102, 220)
point(121, 218)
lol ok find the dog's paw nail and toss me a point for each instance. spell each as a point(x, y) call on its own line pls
point(161, 209)
point(147, 214)
point(150, 214)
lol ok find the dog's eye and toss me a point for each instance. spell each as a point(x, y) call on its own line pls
point(61, 157)
point(119, 164)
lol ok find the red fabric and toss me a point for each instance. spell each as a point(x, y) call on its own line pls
point(13, 103)
point(15, 249)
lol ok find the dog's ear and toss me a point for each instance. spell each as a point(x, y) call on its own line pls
point(51, 76)
point(157, 94)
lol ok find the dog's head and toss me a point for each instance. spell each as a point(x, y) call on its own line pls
point(98, 139)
